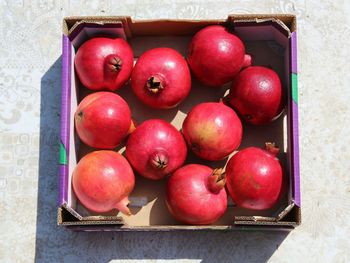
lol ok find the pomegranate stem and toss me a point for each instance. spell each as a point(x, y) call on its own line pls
point(271, 148)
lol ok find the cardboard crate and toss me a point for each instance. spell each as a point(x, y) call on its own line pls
point(270, 39)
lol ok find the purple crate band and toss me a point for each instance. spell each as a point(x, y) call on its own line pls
point(295, 125)
point(295, 152)
point(65, 113)
point(294, 52)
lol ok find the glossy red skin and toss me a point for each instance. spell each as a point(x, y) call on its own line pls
point(215, 55)
point(254, 179)
point(172, 67)
point(256, 94)
point(102, 179)
point(154, 136)
point(212, 130)
point(91, 59)
point(105, 121)
point(189, 198)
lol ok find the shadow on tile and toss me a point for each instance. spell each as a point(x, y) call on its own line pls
point(56, 244)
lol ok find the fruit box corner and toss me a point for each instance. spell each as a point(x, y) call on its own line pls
point(280, 28)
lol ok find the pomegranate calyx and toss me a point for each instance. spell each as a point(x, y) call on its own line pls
point(155, 84)
point(122, 206)
point(225, 100)
point(114, 63)
point(219, 174)
point(272, 148)
point(132, 127)
point(247, 61)
point(217, 180)
point(159, 160)
point(80, 114)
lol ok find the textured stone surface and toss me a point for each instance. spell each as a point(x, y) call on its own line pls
point(30, 46)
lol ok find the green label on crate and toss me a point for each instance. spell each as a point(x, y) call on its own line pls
point(295, 87)
point(63, 154)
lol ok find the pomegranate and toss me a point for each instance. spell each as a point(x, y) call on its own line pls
point(102, 181)
point(256, 95)
point(254, 178)
point(212, 130)
point(156, 149)
point(103, 120)
point(161, 78)
point(215, 55)
point(104, 63)
point(196, 194)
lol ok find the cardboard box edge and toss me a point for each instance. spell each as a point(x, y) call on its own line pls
point(129, 20)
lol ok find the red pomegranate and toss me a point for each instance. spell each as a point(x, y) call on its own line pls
point(196, 194)
point(215, 55)
point(104, 63)
point(102, 181)
point(161, 78)
point(254, 178)
point(103, 120)
point(212, 130)
point(156, 149)
point(256, 94)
